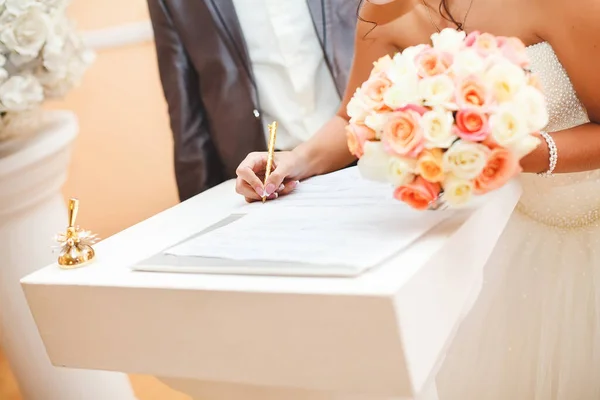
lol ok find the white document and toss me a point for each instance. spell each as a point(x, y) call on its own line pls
point(349, 238)
point(344, 188)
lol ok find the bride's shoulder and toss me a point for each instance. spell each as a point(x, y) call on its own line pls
point(383, 12)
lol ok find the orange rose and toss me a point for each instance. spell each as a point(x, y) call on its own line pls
point(418, 194)
point(429, 165)
point(374, 89)
point(431, 62)
point(402, 133)
point(357, 135)
point(501, 166)
point(472, 93)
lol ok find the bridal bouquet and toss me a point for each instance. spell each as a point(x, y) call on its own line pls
point(448, 121)
point(41, 56)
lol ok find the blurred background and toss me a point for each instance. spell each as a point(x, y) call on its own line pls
point(129, 125)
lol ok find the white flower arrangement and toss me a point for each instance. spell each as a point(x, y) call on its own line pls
point(41, 57)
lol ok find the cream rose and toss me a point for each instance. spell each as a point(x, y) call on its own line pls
point(402, 93)
point(505, 80)
point(374, 164)
point(448, 40)
point(401, 170)
point(27, 34)
point(457, 191)
point(401, 68)
point(18, 7)
point(357, 108)
point(509, 124)
point(377, 122)
point(468, 62)
point(20, 93)
point(437, 128)
point(437, 91)
point(533, 104)
point(524, 146)
point(465, 160)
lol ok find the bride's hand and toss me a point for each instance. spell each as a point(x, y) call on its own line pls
point(282, 180)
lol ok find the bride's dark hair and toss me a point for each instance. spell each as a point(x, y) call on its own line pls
point(443, 8)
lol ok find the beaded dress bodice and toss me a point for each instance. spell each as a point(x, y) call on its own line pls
point(562, 200)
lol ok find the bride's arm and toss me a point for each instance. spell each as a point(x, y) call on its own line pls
point(327, 150)
point(573, 30)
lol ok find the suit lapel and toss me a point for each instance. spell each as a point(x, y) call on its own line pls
point(225, 17)
point(316, 12)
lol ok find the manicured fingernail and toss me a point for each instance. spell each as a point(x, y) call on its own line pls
point(270, 189)
point(295, 183)
point(273, 196)
point(281, 187)
point(259, 190)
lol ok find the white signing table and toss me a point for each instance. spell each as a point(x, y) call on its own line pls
point(380, 335)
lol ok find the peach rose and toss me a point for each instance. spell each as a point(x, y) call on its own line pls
point(357, 135)
point(374, 90)
point(514, 50)
point(431, 62)
point(429, 165)
point(472, 93)
point(501, 166)
point(402, 134)
point(484, 43)
point(419, 193)
point(381, 66)
point(472, 125)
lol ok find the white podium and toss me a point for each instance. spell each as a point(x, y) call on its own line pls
point(381, 335)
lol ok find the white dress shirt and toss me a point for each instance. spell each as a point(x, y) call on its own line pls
point(294, 84)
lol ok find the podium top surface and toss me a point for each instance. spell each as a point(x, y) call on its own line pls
point(115, 256)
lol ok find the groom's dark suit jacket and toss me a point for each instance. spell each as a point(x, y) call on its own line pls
point(209, 86)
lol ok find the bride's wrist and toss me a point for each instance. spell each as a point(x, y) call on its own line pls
point(306, 163)
point(539, 160)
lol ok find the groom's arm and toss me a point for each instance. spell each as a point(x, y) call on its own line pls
point(197, 166)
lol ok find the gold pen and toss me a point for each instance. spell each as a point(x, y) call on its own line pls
point(272, 137)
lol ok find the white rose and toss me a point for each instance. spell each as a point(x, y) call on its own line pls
point(2, 60)
point(357, 107)
point(506, 80)
point(401, 170)
point(468, 62)
point(509, 124)
point(465, 159)
point(533, 104)
point(410, 53)
point(403, 93)
point(373, 165)
point(376, 122)
point(437, 128)
point(437, 90)
point(524, 146)
point(27, 34)
point(20, 93)
point(457, 192)
point(3, 74)
point(448, 40)
point(402, 67)
point(18, 7)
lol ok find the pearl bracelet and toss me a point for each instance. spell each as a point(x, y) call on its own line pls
point(553, 154)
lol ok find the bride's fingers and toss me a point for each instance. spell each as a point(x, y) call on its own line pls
point(287, 187)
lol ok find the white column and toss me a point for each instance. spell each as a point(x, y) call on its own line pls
point(32, 211)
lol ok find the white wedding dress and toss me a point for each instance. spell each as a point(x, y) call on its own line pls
point(534, 333)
